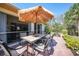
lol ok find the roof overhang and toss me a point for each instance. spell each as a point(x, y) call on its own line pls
point(9, 9)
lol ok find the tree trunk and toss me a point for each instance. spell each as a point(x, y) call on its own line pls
point(78, 27)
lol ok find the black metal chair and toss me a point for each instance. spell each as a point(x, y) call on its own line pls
point(44, 47)
point(10, 51)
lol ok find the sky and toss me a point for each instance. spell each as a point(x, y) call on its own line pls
point(56, 8)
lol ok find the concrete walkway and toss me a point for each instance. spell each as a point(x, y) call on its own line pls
point(60, 48)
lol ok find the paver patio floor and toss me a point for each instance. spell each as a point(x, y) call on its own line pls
point(60, 49)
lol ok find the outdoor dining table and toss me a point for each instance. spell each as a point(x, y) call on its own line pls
point(31, 39)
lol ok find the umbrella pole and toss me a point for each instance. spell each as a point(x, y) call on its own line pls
point(36, 23)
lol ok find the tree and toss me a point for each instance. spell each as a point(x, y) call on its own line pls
point(72, 18)
point(48, 29)
point(57, 27)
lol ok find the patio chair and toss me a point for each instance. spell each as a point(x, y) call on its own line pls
point(44, 47)
point(10, 51)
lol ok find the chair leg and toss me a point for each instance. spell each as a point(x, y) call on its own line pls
point(37, 53)
point(45, 53)
point(27, 49)
point(34, 52)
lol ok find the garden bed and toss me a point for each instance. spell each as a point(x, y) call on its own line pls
point(72, 43)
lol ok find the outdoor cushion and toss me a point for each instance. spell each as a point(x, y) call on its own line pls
point(18, 52)
point(40, 47)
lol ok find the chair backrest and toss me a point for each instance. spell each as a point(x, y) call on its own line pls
point(5, 48)
point(48, 43)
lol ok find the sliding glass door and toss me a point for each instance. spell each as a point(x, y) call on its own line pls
point(37, 28)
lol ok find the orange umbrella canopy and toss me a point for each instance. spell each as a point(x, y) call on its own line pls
point(35, 15)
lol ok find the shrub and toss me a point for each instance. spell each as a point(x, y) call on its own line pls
point(72, 42)
point(48, 30)
point(64, 31)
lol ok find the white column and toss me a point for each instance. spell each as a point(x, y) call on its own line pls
point(40, 28)
point(32, 27)
point(43, 28)
point(3, 26)
point(36, 28)
point(29, 28)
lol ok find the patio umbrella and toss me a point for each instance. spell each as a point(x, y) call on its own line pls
point(36, 14)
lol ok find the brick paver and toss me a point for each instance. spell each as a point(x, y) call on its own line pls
point(60, 49)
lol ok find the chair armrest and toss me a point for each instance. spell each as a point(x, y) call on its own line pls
point(35, 45)
point(15, 48)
